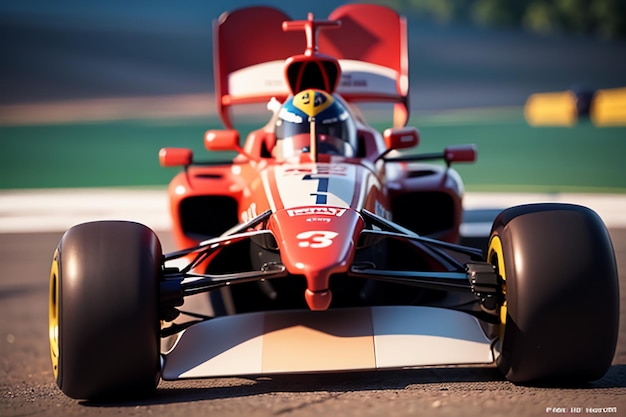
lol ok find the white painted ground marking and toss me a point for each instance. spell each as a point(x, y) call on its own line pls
point(56, 210)
point(610, 207)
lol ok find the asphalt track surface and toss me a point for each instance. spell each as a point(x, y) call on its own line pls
point(27, 386)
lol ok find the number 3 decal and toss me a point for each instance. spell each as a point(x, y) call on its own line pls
point(316, 239)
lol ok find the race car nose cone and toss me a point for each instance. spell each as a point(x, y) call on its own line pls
point(317, 242)
point(318, 300)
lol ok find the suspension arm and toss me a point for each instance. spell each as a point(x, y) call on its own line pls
point(446, 281)
point(177, 284)
point(197, 283)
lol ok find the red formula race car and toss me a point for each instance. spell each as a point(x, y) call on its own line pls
point(322, 248)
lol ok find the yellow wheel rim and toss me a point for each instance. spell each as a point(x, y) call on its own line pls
point(53, 314)
point(495, 256)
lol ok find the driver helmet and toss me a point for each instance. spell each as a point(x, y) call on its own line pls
point(327, 116)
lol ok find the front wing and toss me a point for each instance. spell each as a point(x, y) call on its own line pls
point(363, 338)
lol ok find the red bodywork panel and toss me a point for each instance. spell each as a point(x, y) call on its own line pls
point(316, 206)
point(317, 242)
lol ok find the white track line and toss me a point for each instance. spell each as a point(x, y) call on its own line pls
point(610, 207)
point(56, 210)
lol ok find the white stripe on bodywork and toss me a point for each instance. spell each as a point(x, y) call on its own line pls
point(258, 80)
point(446, 336)
point(228, 346)
point(299, 185)
point(267, 79)
point(365, 77)
point(268, 190)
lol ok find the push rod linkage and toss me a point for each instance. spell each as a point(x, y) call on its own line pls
point(479, 279)
point(474, 253)
point(198, 283)
point(447, 281)
point(237, 233)
point(177, 284)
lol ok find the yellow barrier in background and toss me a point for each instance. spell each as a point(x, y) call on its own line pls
point(609, 107)
point(551, 109)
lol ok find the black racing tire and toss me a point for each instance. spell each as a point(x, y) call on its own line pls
point(560, 318)
point(103, 311)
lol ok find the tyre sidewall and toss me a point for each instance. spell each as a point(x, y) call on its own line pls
point(108, 325)
point(562, 294)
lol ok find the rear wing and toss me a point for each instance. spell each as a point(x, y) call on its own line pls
point(251, 47)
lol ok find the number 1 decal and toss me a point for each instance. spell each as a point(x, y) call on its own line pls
point(322, 187)
point(316, 239)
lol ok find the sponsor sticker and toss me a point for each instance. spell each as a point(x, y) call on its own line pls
point(316, 211)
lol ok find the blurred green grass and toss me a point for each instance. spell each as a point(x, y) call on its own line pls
point(512, 156)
